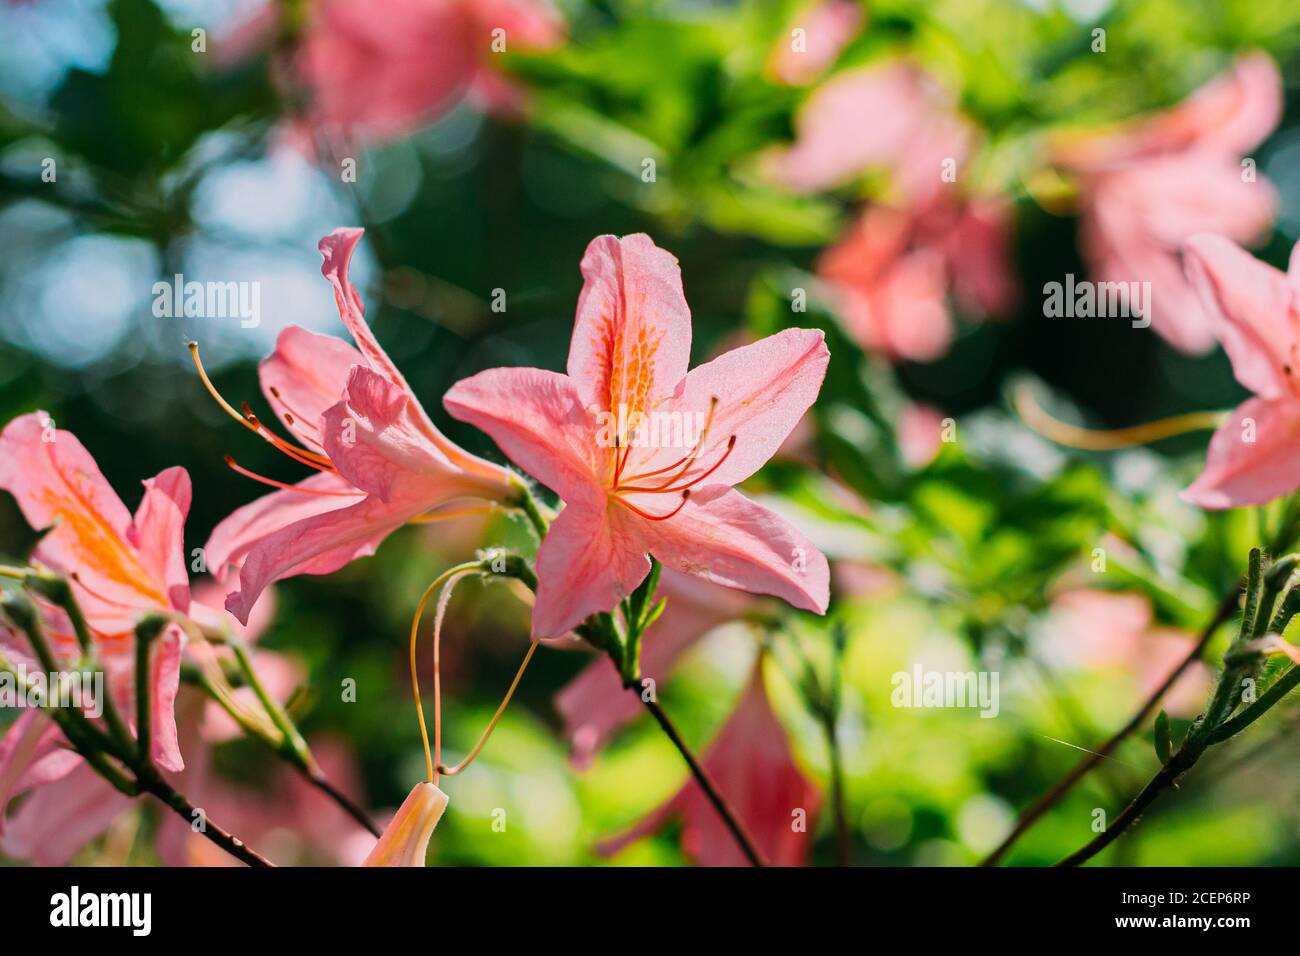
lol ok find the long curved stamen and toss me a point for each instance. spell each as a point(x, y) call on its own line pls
point(487, 732)
point(240, 469)
point(251, 422)
point(301, 455)
point(686, 462)
point(212, 389)
point(649, 517)
point(1087, 439)
point(731, 443)
point(447, 577)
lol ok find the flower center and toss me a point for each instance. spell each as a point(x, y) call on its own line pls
point(679, 477)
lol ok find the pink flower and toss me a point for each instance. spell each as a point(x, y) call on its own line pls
point(595, 705)
point(122, 567)
point(1151, 183)
point(888, 116)
point(827, 28)
point(643, 454)
point(381, 69)
point(381, 460)
point(405, 840)
point(891, 273)
point(1091, 629)
point(288, 819)
point(920, 434)
point(751, 764)
point(1254, 310)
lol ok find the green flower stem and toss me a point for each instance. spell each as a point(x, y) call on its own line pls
point(294, 746)
point(146, 632)
point(531, 507)
point(1278, 690)
point(276, 745)
point(1216, 723)
point(601, 631)
point(1095, 756)
point(59, 591)
point(1276, 580)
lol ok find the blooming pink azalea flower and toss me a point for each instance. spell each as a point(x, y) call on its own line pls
point(643, 454)
point(122, 567)
point(828, 26)
point(751, 763)
point(381, 69)
point(1254, 309)
point(595, 705)
point(1150, 184)
point(891, 273)
point(1091, 629)
point(382, 462)
point(888, 116)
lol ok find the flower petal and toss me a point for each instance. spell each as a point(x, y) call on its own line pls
point(538, 420)
point(405, 841)
point(1233, 112)
point(754, 770)
point(165, 678)
point(309, 372)
point(318, 544)
point(762, 390)
point(631, 340)
point(56, 482)
point(158, 532)
point(590, 560)
point(336, 250)
point(723, 537)
point(57, 820)
point(244, 527)
point(1253, 308)
point(32, 754)
point(1239, 471)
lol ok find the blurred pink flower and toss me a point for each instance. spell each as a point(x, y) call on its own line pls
point(595, 705)
point(891, 273)
point(827, 28)
point(1254, 310)
point(381, 69)
point(382, 462)
point(1151, 183)
point(1091, 629)
point(753, 768)
point(287, 819)
point(887, 116)
point(588, 436)
point(920, 434)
